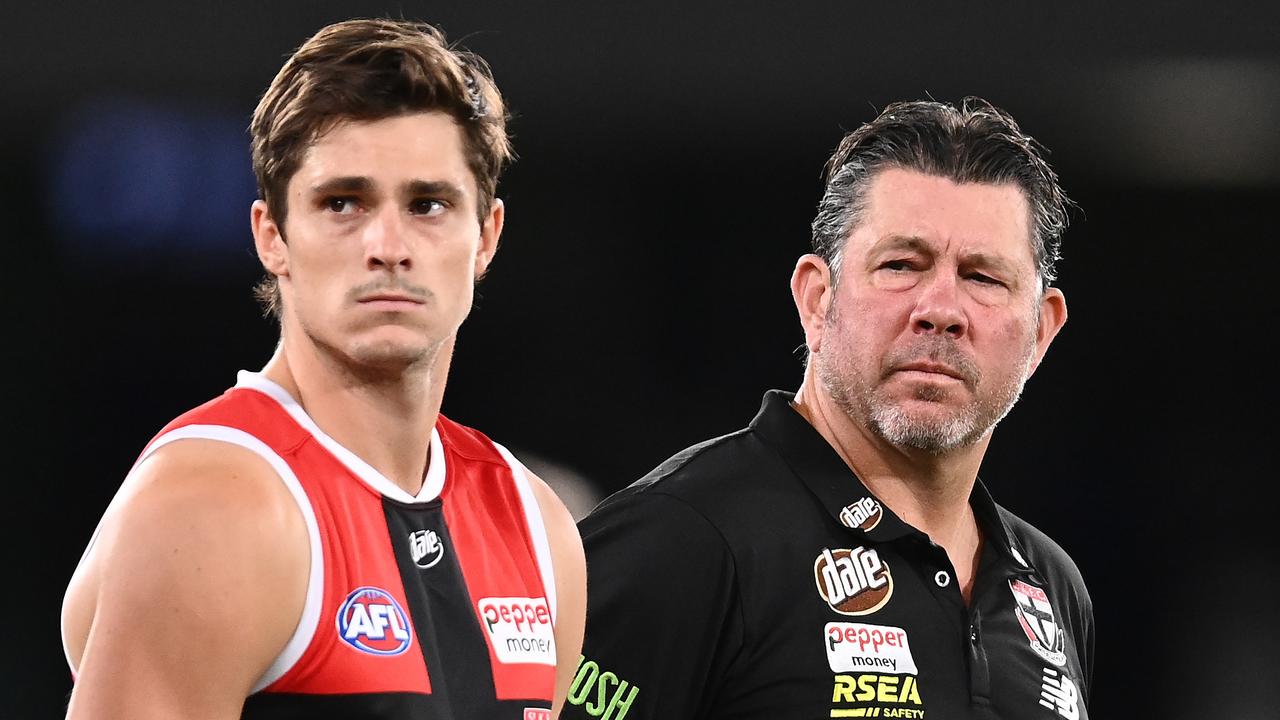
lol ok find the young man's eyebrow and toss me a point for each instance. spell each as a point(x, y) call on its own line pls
point(346, 184)
point(434, 188)
point(359, 184)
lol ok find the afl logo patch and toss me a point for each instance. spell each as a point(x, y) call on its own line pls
point(371, 621)
point(853, 582)
point(862, 515)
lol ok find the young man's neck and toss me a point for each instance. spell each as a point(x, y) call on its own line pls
point(385, 418)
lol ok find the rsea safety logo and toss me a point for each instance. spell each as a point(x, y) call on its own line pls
point(520, 629)
point(601, 694)
point(876, 696)
point(855, 647)
point(371, 621)
point(853, 582)
point(1035, 615)
point(862, 515)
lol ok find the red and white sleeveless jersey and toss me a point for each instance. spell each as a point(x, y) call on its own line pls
point(440, 605)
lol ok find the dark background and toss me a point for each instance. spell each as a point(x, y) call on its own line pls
point(669, 167)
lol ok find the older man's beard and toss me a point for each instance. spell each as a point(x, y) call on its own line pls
point(934, 433)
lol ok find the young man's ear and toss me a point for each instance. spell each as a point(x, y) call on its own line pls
point(268, 240)
point(490, 233)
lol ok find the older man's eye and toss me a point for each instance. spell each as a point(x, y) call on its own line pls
point(985, 280)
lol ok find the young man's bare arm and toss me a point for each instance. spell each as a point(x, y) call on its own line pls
point(193, 586)
point(570, 565)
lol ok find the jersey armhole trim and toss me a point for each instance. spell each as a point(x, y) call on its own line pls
point(310, 618)
point(537, 528)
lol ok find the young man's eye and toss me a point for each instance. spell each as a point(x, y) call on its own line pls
point(340, 205)
point(426, 206)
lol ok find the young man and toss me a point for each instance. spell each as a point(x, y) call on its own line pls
point(319, 541)
point(839, 557)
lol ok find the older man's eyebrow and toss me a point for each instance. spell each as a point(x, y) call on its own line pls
point(978, 258)
point(998, 263)
point(913, 243)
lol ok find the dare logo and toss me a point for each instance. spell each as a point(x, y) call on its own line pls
point(371, 621)
point(853, 582)
point(425, 548)
point(862, 515)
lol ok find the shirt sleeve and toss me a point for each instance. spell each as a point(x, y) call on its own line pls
point(663, 613)
point(1086, 649)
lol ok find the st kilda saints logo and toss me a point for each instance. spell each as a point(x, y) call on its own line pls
point(425, 548)
point(853, 582)
point(1035, 615)
point(862, 515)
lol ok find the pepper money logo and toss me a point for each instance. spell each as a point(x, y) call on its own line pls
point(1035, 615)
point(520, 629)
point(862, 515)
point(855, 647)
point(371, 621)
point(853, 582)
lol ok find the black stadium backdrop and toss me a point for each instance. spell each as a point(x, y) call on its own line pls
point(669, 161)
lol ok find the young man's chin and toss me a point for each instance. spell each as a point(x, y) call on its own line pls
point(391, 349)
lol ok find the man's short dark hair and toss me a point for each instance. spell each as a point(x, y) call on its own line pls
point(371, 69)
point(974, 143)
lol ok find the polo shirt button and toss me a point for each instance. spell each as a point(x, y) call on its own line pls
point(942, 578)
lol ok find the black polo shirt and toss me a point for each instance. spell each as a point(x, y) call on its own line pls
point(754, 576)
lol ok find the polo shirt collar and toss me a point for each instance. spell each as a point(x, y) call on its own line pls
point(843, 494)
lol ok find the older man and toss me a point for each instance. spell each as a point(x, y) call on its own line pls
point(839, 556)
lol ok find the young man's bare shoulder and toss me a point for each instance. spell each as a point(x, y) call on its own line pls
point(198, 533)
point(198, 485)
